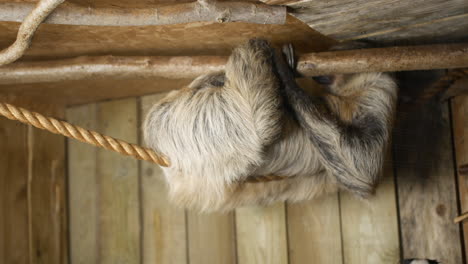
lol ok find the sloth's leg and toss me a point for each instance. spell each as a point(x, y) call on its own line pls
point(350, 143)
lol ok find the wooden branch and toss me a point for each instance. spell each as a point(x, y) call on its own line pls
point(32, 19)
point(313, 64)
point(199, 11)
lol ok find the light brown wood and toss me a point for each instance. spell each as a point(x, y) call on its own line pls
point(392, 59)
point(164, 227)
point(14, 239)
point(345, 20)
point(83, 190)
point(426, 184)
point(370, 227)
point(211, 238)
point(460, 137)
point(197, 39)
point(178, 13)
point(261, 235)
point(47, 189)
point(314, 231)
point(119, 222)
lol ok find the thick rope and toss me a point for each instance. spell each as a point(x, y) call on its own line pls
point(91, 137)
point(27, 30)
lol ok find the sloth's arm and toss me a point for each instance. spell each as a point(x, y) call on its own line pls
point(352, 150)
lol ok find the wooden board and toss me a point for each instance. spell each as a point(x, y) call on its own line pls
point(119, 222)
point(211, 238)
point(419, 20)
point(460, 136)
point(83, 191)
point(14, 235)
point(47, 212)
point(169, 40)
point(261, 235)
point(314, 231)
point(164, 226)
point(370, 227)
point(426, 183)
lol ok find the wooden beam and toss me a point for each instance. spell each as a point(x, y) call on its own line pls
point(312, 64)
point(383, 20)
point(198, 11)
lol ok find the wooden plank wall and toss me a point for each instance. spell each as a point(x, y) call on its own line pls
point(322, 230)
point(460, 135)
point(424, 167)
point(33, 223)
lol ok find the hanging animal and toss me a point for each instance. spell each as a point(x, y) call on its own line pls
point(254, 119)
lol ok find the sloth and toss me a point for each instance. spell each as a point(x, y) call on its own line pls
point(253, 119)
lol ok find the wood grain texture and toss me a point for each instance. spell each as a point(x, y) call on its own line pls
point(48, 222)
point(14, 237)
point(261, 235)
point(83, 192)
point(370, 227)
point(119, 222)
point(164, 226)
point(211, 238)
point(426, 179)
point(183, 39)
point(314, 231)
point(346, 20)
point(460, 136)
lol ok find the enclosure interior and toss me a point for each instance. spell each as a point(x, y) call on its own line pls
point(62, 201)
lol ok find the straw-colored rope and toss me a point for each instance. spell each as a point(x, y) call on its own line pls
point(91, 137)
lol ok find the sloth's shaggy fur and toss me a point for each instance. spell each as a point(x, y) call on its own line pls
point(253, 119)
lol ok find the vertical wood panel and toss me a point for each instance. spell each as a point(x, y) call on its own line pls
point(14, 239)
point(118, 187)
point(164, 227)
point(370, 227)
point(460, 135)
point(426, 184)
point(211, 238)
point(261, 235)
point(314, 231)
point(82, 188)
point(49, 242)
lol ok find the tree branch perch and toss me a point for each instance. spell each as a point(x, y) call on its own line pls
point(180, 67)
point(199, 11)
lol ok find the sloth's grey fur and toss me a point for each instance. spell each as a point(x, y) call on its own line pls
point(253, 119)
